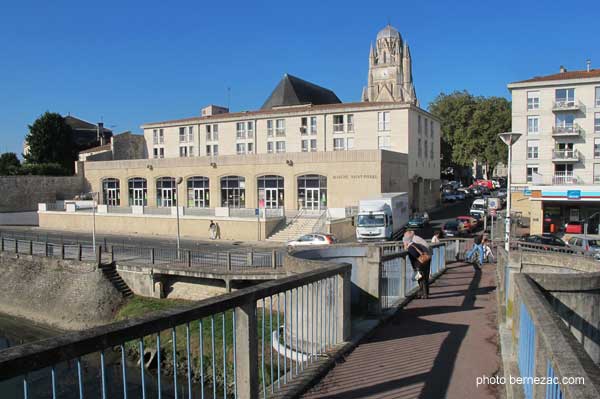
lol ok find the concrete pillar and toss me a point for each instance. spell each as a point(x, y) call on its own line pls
point(246, 346)
point(343, 316)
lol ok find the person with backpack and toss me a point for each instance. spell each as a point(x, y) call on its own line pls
point(477, 247)
point(421, 264)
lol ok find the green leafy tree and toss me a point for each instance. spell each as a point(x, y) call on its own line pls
point(9, 163)
point(470, 128)
point(50, 141)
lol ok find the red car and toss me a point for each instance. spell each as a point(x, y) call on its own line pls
point(469, 223)
point(574, 228)
point(485, 183)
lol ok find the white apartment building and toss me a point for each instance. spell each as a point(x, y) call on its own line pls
point(556, 162)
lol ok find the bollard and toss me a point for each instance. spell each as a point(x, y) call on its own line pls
point(62, 250)
point(105, 244)
point(99, 254)
point(2, 244)
point(112, 254)
point(152, 255)
point(274, 259)
point(250, 258)
point(46, 249)
point(30, 247)
point(16, 246)
point(228, 260)
point(79, 253)
point(189, 258)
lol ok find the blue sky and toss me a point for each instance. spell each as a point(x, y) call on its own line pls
point(132, 62)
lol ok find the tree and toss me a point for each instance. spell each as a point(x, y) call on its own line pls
point(9, 163)
point(470, 128)
point(50, 140)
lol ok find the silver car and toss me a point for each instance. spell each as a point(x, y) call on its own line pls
point(312, 239)
point(589, 243)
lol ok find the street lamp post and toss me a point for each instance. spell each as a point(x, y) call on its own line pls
point(178, 182)
point(509, 138)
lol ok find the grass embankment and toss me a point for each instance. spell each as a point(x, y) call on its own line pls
point(140, 306)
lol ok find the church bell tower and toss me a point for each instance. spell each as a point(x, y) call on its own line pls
point(390, 70)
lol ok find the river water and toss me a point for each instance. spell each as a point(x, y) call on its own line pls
point(14, 331)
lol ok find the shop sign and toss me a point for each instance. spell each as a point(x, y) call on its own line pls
point(573, 194)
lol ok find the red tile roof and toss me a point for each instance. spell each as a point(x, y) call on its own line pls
point(593, 73)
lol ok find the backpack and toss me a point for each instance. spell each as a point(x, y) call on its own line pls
point(477, 240)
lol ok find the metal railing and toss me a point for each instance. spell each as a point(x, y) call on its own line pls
point(564, 104)
point(319, 226)
point(247, 343)
point(119, 209)
point(533, 247)
point(397, 274)
point(526, 354)
point(130, 254)
point(565, 178)
point(565, 155)
point(566, 130)
point(199, 211)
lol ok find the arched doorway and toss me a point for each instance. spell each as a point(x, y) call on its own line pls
point(312, 192)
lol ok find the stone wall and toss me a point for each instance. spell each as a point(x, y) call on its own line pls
point(65, 294)
point(128, 146)
point(23, 193)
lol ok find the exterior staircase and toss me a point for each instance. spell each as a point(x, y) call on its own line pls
point(305, 222)
point(110, 272)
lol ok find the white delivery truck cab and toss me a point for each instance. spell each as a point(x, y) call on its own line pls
point(382, 218)
point(478, 208)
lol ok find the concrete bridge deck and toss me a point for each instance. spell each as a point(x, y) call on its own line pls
point(434, 348)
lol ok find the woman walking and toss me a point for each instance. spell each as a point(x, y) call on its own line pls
point(421, 262)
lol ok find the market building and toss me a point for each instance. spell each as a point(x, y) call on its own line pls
point(556, 163)
point(303, 152)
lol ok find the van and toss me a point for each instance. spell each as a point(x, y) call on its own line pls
point(478, 207)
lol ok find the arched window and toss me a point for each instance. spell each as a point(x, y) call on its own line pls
point(198, 192)
point(166, 192)
point(233, 191)
point(312, 192)
point(270, 191)
point(111, 193)
point(138, 191)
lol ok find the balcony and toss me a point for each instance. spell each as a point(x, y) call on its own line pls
point(565, 156)
point(573, 130)
point(563, 104)
point(565, 179)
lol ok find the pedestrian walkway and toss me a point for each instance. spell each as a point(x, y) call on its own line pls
point(434, 348)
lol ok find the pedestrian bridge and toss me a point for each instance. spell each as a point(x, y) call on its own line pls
point(345, 324)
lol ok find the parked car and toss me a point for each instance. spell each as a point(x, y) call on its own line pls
point(417, 221)
point(501, 193)
point(586, 243)
point(544, 239)
point(574, 228)
point(469, 223)
point(485, 183)
point(460, 196)
point(448, 197)
point(453, 228)
point(468, 192)
point(313, 239)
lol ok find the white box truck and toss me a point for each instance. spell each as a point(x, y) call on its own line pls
point(382, 218)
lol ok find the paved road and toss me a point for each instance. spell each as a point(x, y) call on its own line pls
point(432, 349)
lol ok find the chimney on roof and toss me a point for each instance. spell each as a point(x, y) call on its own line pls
point(588, 64)
point(563, 69)
point(100, 133)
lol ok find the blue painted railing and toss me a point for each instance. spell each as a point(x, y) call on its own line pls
point(526, 355)
point(553, 390)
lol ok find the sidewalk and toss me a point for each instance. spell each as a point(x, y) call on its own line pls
point(433, 348)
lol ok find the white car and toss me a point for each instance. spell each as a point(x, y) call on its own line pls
point(312, 239)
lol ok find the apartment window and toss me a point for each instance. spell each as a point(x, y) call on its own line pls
point(212, 132)
point(597, 122)
point(313, 125)
point(270, 128)
point(533, 149)
point(250, 148)
point(338, 144)
point(155, 154)
point(419, 151)
point(212, 150)
point(419, 129)
point(183, 151)
point(280, 127)
point(533, 100)
point(350, 123)
point(270, 147)
point(350, 143)
point(191, 151)
point(250, 129)
point(161, 152)
point(426, 125)
point(565, 120)
point(431, 151)
point(155, 136)
point(533, 124)
point(158, 136)
point(280, 146)
point(425, 146)
point(531, 170)
point(565, 97)
point(383, 142)
point(338, 123)
point(597, 173)
point(182, 135)
point(304, 145)
point(309, 145)
point(190, 134)
point(431, 128)
point(240, 148)
point(383, 121)
point(596, 148)
point(304, 126)
point(241, 130)
point(597, 102)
